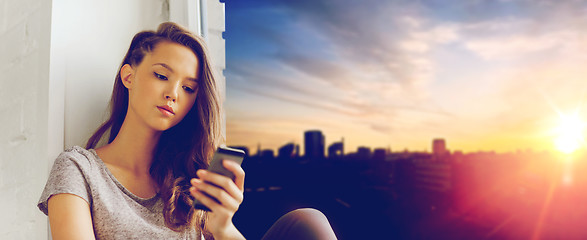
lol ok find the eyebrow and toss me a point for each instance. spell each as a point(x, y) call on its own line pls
point(171, 70)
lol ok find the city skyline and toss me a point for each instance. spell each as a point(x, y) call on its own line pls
point(485, 75)
point(417, 195)
point(337, 149)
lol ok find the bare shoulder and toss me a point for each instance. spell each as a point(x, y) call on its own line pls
point(70, 217)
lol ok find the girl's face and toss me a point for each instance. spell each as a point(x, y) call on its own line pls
point(163, 87)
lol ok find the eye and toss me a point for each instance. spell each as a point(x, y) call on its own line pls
point(162, 77)
point(189, 89)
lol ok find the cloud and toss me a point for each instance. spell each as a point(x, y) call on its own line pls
point(376, 99)
point(380, 63)
point(421, 41)
point(361, 35)
point(326, 70)
point(511, 46)
point(351, 59)
point(264, 79)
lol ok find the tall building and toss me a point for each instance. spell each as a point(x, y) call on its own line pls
point(314, 144)
point(439, 150)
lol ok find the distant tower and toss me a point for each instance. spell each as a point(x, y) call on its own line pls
point(314, 144)
point(439, 148)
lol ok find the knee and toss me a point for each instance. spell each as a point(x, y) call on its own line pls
point(311, 223)
point(309, 216)
point(304, 223)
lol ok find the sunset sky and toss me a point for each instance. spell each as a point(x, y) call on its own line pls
point(484, 75)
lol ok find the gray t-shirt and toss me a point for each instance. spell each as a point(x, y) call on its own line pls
point(116, 212)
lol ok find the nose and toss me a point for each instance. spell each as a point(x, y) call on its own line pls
point(172, 92)
point(170, 98)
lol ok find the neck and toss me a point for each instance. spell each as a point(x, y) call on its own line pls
point(135, 146)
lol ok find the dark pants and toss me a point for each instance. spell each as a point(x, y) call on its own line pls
point(301, 224)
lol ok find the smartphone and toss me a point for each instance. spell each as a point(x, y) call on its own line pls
point(222, 154)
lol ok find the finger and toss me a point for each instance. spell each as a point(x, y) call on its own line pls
point(206, 200)
point(220, 183)
point(225, 199)
point(238, 172)
point(223, 182)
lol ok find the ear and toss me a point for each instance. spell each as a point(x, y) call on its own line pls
point(127, 74)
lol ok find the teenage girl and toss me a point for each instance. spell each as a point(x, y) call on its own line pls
point(141, 170)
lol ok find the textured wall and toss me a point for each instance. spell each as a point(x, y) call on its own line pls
point(24, 83)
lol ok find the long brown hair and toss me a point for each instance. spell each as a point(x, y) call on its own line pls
point(184, 148)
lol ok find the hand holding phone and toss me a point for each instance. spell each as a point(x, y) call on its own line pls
point(222, 154)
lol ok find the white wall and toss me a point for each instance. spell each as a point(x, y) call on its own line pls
point(213, 28)
point(58, 60)
point(24, 96)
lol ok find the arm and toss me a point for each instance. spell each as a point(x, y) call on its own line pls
point(70, 217)
point(230, 195)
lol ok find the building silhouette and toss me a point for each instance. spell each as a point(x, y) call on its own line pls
point(288, 151)
point(314, 144)
point(379, 154)
point(336, 150)
point(364, 153)
point(439, 150)
point(267, 154)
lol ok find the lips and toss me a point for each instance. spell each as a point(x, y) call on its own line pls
point(166, 108)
